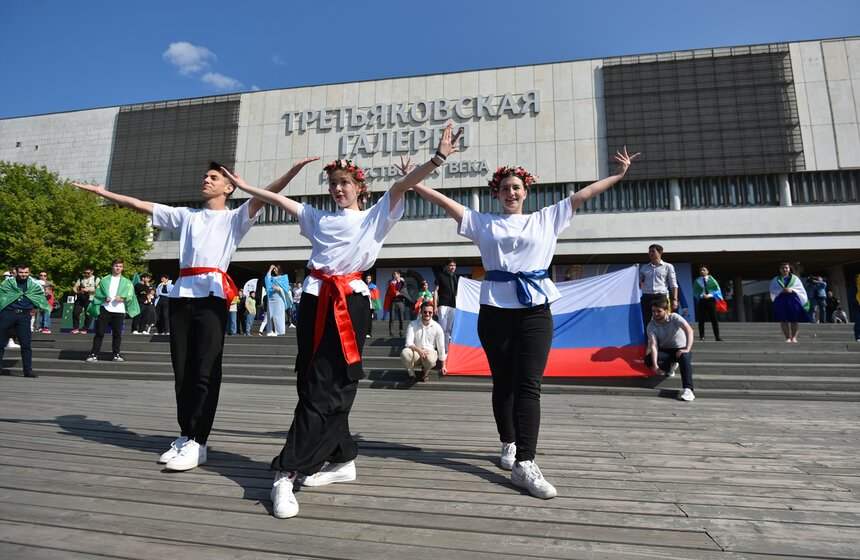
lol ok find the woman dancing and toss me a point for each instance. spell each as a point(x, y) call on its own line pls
point(514, 322)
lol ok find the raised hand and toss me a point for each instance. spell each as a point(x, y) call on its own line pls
point(301, 163)
point(448, 141)
point(624, 161)
point(405, 166)
point(98, 189)
point(237, 181)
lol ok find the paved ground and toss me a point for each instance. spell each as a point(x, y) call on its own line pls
point(638, 477)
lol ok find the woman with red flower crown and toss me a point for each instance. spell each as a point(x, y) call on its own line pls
point(514, 322)
point(333, 320)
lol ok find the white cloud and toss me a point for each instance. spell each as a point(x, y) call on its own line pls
point(189, 58)
point(220, 82)
point(277, 60)
point(255, 88)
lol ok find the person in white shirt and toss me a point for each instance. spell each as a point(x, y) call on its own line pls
point(113, 298)
point(657, 278)
point(514, 322)
point(199, 299)
point(425, 344)
point(333, 321)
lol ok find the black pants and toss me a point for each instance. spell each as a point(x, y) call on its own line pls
point(197, 327)
point(81, 304)
point(399, 307)
point(115, 321)
point(517, 344)
point(241, 323)
point(326, 386)
point(17, 324)
point(371, 318)
point(142, 320)
point(668, 356)
point(707, 309)
point(162, 315)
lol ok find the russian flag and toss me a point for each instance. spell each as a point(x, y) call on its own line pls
point(597, 329)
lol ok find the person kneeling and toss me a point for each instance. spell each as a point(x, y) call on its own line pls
point(670, 339)
point(425, 343)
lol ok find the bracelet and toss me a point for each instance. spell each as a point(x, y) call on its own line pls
point(433, 161)
point(441, 155)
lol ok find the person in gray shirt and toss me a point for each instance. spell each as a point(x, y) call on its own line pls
point(670, 339)
point(656, 279)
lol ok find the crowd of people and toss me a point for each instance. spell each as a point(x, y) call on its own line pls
point(333, 310)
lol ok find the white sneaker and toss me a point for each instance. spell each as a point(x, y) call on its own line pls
point(135, 332)
point(672, 370)
point(174, 449)
point(509, 455)
point(191, 455)
point(292, 326)
point(284, 503)
point(526, 474)
point(687, 395)
point(12, 344)
point(330, 473)
point(92, 358)
point(271, 334)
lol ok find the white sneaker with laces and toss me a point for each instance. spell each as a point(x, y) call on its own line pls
point(284, 503)
point(527, 475)
point(509, 455)
point(12, 344)
point(687, 395)
point(191, 455)
point(330, 473)
point(92, 358)
point(174, 449)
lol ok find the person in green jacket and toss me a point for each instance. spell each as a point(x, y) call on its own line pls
point(113, 298)
point(20, 295)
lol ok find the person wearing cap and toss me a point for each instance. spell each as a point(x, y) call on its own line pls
point(198, 302)
point(20, 296)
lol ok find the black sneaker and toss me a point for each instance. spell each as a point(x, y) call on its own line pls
point(118, 358)
point(30, 374)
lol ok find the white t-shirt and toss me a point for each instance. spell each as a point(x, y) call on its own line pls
point(347, 240)
point(516, 243)
point(207, 238)
point(114, 306)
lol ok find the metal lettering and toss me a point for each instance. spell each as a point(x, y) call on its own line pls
point(424, 107)
point(441, 110)
point(308, 117)
point(324, 122)
point(531, 100)
point(485, 105)
point(460, 105)
point(356, 118)
point(401, 141)
point(508, 105)
point(419, 136)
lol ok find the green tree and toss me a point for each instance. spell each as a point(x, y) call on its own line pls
point(50, 225)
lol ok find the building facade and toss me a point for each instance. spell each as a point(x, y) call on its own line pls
point(750, 156)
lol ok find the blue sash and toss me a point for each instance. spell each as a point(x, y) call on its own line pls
point(523, 280)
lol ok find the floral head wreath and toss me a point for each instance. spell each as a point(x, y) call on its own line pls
point(358, 173)
point(496, 180)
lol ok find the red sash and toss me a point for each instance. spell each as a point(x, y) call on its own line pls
point(333, 286)
point(227, 284)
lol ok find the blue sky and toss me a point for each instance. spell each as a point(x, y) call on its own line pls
point(62, 55)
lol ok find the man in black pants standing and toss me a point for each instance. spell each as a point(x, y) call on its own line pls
point(398, 303)
point(199, 299)
point(113, 299)
point(19, 296)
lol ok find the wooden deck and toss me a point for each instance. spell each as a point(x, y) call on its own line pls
point(638, 477)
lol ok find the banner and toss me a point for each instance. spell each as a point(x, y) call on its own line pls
point(597, 329)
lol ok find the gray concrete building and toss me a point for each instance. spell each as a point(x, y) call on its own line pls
point(750, 156)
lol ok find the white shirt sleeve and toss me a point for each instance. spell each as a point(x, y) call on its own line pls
point(168, 217)
point(241, 221)
point(671, 277)
point(308, 219)
point(410, 335)
point(559, 215)
point(471, 224)
point(384, 217)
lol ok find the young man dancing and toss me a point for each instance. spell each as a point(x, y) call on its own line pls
point(199, 299)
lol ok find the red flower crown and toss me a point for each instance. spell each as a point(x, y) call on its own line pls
point(527, 178)
point(358, 173)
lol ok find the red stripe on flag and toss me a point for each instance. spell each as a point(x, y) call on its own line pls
point(623, 361)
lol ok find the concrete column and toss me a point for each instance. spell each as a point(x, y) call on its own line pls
point(476, 200)
point(674, 194)
point(738, 299)
point(784, 190)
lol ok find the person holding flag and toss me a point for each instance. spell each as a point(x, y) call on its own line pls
point(709, 300)
point(790, 303)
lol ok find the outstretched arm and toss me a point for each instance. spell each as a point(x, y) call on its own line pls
point(454, 209)
point(122, 200)
point(278, 184)
point(266, 196)
point(446, 148)
point(594, 189)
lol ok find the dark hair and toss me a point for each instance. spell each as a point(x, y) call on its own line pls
point(21, 265)
point(660, 302)
point(146, 275)
point(658, 247)
point(450, 261)
point(701, 266)
point(215, 166)
point(428, 304)
point(398, 272)
point(86, 268)
point(788, 264)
